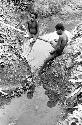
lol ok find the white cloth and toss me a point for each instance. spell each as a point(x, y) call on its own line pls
point(41, 49)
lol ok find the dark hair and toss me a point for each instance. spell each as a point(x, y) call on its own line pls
point(73, 123)
point(59, 26)
point(35, 15)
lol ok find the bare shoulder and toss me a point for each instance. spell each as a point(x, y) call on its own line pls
point(64, 36)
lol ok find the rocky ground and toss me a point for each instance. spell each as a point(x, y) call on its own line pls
point(58, 81)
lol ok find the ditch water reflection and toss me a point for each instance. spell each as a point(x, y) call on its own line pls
point(33, 111)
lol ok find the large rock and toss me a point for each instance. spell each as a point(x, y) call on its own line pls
point(41, 49)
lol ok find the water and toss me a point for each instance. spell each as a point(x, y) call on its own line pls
point(23, 111)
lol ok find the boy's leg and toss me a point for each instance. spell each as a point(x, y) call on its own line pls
point(50, 58)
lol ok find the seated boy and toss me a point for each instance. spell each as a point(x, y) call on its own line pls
point(58, 49)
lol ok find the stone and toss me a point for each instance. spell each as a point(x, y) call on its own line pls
point(68, 62)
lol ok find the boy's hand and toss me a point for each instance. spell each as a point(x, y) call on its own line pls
point(51, 42)
point(32, 43)
point(52, 52)
point(55, 40)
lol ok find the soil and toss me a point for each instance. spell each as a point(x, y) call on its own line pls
point(37, 110)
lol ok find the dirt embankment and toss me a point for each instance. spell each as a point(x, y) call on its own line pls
point(55, 80)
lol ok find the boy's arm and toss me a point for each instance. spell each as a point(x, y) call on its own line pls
point(32, 42)
point(58, 43)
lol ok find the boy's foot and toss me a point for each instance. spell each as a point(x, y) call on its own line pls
point(41, 71)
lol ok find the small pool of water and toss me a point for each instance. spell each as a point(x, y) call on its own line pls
point(24, 111)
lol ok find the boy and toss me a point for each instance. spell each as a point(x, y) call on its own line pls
point(33, 27)
point(31, 34)
point(58, 49)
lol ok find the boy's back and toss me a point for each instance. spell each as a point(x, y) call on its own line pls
point(63, 39)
